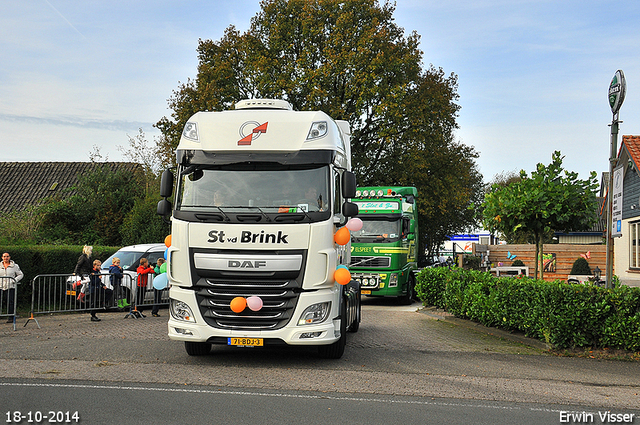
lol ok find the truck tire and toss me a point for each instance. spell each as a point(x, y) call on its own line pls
point(197, 348)
point(407, 299)
point(335, 350)
point(356, 323)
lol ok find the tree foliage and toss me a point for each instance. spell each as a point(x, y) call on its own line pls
point(519, 236)
point(108, 207)
point(551, 199)
point(350, 60)
point(95, 212)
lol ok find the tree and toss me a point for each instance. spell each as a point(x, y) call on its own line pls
point(95, 213)
point(350, 60)
point(551, 199)
point(518, 236)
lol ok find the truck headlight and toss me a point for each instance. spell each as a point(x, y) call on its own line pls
point(190, 131)
point(181, 311)
point(318, 129)
point(314, 314)
point(393, 279)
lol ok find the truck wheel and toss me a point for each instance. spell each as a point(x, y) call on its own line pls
point(356, 323)
point(407, 299)
point(197, 348)
point(335, 350)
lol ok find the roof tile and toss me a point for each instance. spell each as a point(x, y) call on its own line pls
point(29, 183)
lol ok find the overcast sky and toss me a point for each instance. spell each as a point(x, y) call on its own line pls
point(533, 75)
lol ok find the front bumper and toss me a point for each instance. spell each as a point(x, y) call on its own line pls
point(323, 333)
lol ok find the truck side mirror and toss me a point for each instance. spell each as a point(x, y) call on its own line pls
point(348, 185)
point(349, 209)
point(164, 208)
point(166, 184)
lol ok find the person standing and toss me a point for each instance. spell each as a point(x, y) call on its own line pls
point(10, 275)
point(144, 269)
point(84, 266)
point(157, 294)
point(97, 291)
point(83, 270)
point(115, 270)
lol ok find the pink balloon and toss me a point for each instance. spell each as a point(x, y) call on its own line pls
point(254, 303)
point(354, 224)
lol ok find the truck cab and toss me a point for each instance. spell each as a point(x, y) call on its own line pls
point(259, 193)
point(383, 251)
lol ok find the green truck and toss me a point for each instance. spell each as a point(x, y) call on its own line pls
point(383, 251)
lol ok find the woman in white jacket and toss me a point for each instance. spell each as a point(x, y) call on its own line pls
point(9, 269)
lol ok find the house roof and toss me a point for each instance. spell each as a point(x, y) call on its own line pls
point(29, 183)
point(604, 184)
point(632, 145)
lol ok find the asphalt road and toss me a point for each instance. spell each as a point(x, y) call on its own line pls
point(401, 360)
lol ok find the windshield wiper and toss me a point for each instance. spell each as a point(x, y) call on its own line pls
point(226, 217)
point(263, 213)
point(241, 207)
point(298, 210)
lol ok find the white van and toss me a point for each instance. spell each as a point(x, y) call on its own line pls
point(130, 260)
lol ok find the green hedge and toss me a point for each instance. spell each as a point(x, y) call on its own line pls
point(561, 314)
point(47, 259)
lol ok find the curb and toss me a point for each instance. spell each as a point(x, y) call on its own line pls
point(437, 314)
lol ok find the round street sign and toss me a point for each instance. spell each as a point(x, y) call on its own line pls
point(617, 90)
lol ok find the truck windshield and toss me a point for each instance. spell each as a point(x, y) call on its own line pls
point(264, 187)
point(380, 230)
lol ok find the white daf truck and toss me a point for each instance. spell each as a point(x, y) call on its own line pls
point(260, 192)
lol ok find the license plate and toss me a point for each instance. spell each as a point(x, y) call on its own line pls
point(365, 292)
point(246, 342)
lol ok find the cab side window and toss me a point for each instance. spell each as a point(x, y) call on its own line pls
point(337, 203)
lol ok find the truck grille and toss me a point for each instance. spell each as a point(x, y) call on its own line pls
point(279, 300)
point(279, 292)
point(370, 262)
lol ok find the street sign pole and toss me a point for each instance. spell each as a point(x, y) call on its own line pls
point(617, 91)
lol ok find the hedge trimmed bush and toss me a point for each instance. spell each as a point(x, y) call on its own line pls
point(561, 314)
point(35, 260)
point(580, 267)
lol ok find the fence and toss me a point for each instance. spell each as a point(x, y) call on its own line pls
point(8, 299)
point(558, 258)
point(61, 293)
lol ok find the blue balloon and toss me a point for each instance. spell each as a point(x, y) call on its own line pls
point(160, 282)
point(342, 266)
point(166, 253)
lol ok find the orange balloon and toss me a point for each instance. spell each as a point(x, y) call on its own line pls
point(342, 236)
point(167, 241)
point(342, 276)
point(238, 304)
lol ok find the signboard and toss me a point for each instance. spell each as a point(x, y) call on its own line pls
point(377, 205)
point(617, 91)
point(616, 202)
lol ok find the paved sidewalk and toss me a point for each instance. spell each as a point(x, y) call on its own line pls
point(443, 315)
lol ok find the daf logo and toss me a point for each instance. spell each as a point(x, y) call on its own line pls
point(246, 264)
point(250, 131)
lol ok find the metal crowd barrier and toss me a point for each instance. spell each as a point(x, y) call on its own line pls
point(64, 293)
point(9, 299)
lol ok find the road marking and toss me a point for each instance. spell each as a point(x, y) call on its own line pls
point(263, 394)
